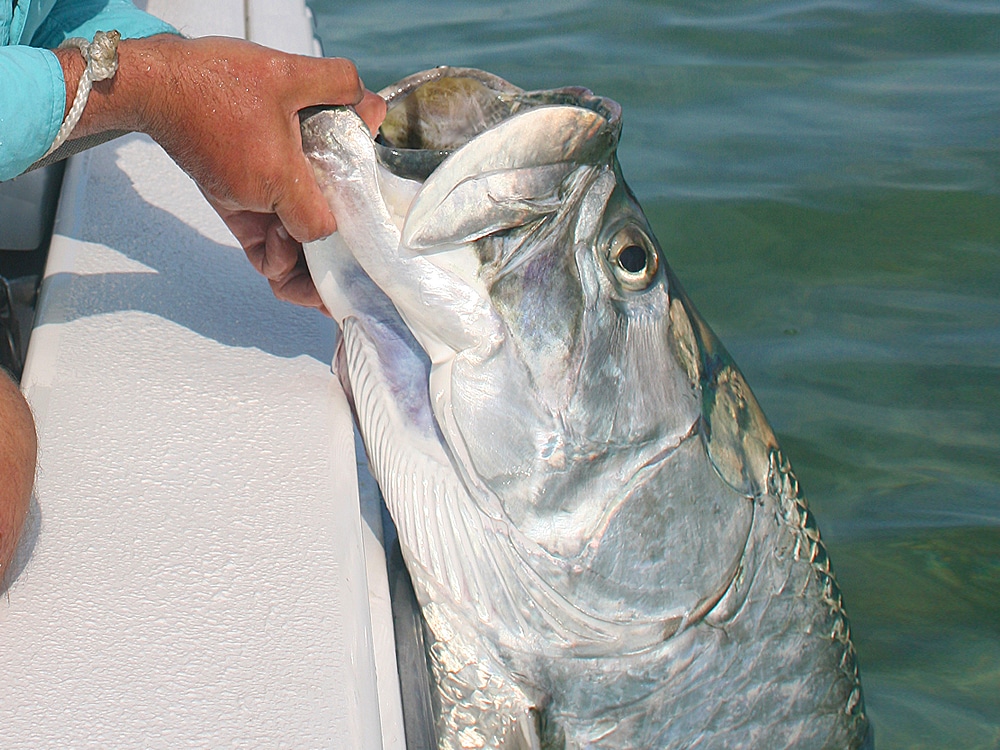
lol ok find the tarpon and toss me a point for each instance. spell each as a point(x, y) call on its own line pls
point(609, 547)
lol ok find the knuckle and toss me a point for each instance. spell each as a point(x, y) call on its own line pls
point(257, 256)
point(348, 69)
point(345, 73)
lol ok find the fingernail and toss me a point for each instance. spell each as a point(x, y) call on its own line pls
point(282, 232)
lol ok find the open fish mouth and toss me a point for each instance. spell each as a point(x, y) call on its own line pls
point(432, 113)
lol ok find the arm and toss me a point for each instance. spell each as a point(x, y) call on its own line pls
point(226, 111)
point(31, 98)
point(17, 467)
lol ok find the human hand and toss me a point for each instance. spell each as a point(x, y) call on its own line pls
point(269, 246)
point(226, 110)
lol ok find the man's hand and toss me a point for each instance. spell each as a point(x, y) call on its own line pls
point(269, 246)
point(226, 111)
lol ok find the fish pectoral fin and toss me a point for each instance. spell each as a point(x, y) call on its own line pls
point(442, 537)
point(419, 484)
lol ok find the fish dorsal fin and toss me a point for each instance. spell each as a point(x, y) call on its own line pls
point(506, 176)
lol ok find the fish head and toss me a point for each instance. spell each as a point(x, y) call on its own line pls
point(592, 362)
point(564, 360)
point(532, 212)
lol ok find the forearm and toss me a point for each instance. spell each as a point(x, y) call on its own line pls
point(33, 91)
point(121, 102)
point(17, 466)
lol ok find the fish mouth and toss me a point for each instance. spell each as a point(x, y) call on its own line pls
point(433, 113)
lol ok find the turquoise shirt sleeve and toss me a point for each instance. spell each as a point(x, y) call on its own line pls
point(84, 18)
point(33, 94)
point(32, 102)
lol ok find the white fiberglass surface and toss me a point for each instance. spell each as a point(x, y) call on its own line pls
point(196, 571)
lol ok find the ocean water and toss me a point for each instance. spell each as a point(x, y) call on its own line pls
point(825, 180)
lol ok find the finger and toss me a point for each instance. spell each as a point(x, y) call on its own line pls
point(298, 288)
point(282, 252)
point(326, 80)
point(250, 229)
point(266, 242)
point(256, 253)
point(247, 226)
point(302, 208)
point(371, 109)
point(253, 231)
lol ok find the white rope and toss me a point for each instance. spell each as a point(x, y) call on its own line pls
point(102, 63)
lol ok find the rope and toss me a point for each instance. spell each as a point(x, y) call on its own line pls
point(102, 63)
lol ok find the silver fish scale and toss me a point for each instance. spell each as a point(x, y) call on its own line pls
point(594, 570)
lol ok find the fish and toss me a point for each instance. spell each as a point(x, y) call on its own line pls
point(608, 545)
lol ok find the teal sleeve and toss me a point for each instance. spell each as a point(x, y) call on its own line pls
point(83, 18)
point(32, 101)
point(33, 95)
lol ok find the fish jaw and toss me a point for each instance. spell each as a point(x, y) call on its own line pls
point(444, 314)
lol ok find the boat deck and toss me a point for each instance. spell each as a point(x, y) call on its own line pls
point(199, 567)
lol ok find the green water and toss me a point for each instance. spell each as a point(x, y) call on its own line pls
point(825, 179)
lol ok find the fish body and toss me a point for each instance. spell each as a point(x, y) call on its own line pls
point(609, 548)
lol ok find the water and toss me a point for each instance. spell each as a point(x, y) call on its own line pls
point(825, 179)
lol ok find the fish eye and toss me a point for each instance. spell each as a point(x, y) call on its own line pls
point(632, 258)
